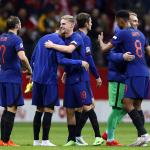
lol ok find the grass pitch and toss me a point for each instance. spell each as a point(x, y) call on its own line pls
point(23, 135)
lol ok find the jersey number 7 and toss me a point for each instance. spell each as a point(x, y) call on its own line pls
point(2, 50)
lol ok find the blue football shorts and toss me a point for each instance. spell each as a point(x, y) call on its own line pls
point(78, 94)
point(44, 95)
point(136, 87)
point(11, 94)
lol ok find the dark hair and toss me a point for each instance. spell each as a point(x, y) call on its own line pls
point(123, 14)
point(82, 18)
point(12, 21)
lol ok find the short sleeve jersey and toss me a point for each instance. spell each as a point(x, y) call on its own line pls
point(75, 74)
point(10, 66)
point(134, 41)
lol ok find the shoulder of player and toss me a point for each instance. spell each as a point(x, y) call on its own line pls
point(119, 32)
point(76, 35)
point(76, 38)
point(54, 37)
point(87, 38)
point(138, 33)
point(17, 40)
point(49, 35)
point(123, 32)
point(141, 33)
point(17, 37)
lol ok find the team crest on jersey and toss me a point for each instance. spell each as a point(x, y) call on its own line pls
point(83, 94)
point(114, 37)
point(21, 45)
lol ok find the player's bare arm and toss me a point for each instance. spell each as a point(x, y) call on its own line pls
point(104, 46)
point(62, 48)
point(63, 78)
point(25, 62)
point(98, 82)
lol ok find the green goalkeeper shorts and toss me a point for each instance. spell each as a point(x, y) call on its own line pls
point(116, 93)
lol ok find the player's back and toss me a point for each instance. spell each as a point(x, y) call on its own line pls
point(132, 40)
point(10, 69)
point(135, 42)
point(44, 60)
point(75, 74)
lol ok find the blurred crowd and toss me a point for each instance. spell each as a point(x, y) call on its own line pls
point(39, 17)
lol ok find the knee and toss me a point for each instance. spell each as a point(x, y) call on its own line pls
point(40, 109)
point(128, 104)
point(12, 109)
point(46, 109)
point(70, 113)
point(137, 104)
point(70, 116)
point(79, 109)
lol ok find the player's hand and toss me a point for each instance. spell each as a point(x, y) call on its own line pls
point(63, 78)
point(100, 37)
point(128, 56)
point(28, 75)
point(29, 78)
point(85, 65)
point(48, 44)
point(98, 82)
point(93, 102)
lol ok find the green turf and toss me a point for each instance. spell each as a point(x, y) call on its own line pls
point(22, 135)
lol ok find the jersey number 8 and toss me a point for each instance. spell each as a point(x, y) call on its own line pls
point(138, 47)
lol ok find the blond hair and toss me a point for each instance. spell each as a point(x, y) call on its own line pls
point(68, 18)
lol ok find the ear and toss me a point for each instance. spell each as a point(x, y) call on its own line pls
point(72, 25)
point(17, 26)
point(86, 24)
point(122, 21)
